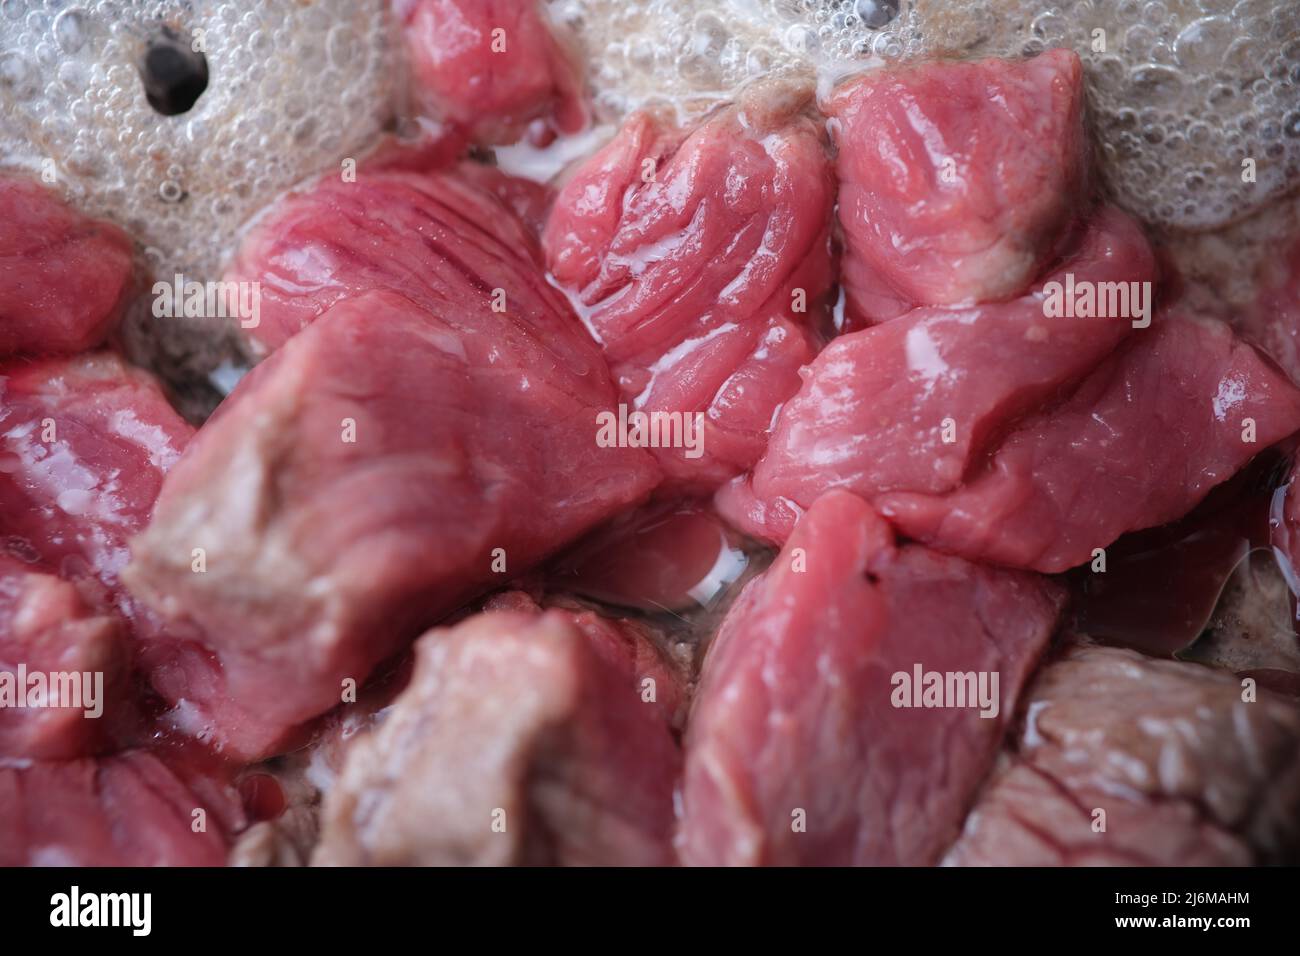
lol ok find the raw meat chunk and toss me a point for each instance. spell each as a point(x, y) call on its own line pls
point(653, 652)
point(702, 264)
point(490, 67)
point(522, 738)
point(958, 179)
point(912, 404)
point(1180, 409)
point(805, 745)
point(84, 444)
point(443, 239)
point(64, 279)
point(128, 810)
point(46, 628)
point(378, 470)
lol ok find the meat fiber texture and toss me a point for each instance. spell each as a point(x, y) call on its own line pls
point(700, 260)
point(446, 239)
point(382, 467)
point(84, 444)
point(46, 628)
point(126, 810)
point(529, 200)
point(522, 738)
point(1141, 442)
point(64, 279)
point(617, 638)
point(1125, 760)
point(957, 179)
point(1178, 409)
point(798, 752)
point(491, 67)
point(913, 404)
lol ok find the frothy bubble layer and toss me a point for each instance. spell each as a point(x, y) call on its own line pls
point(1190, 99)
point(291, 88)
point(1195, 103)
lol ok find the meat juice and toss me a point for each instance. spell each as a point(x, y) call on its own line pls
point(1157, 590)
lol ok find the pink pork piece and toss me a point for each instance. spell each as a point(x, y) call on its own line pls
point(127, 810)
point(84, 444)
point(1182, 407)
point(47, 629)
point(491, 67)
point(804, 744)
point(384, 466)
point(913, 404)
point(64, 279)
point(444, 239)
point(958, 179)
point(543, 725)
point(701, 262)
point(528, 199)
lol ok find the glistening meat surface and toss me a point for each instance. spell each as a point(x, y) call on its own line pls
point(125, 810)
point(797, 752)
point(444, 239)
point(701, 261)
point(379, 469)
point(1144, 438)
point(84, 444)
point(490, 67)
point(913, 404)
point(957, 179)
point(368, 614)
point(47, 628)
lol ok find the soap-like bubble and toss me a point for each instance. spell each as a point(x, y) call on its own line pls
point(1203, 44)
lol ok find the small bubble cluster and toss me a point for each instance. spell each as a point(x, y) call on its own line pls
point(1191, 100)
point(1181, 92)
point(293, 87)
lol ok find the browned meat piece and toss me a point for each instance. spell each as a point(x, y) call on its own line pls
point(523, 738)
point(1185, 771)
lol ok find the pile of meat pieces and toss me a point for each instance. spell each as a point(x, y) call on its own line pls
point(441, 342)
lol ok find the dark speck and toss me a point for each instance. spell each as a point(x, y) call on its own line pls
point(174, 76)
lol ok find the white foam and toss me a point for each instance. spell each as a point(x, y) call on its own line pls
point(1182, 92)
point(294, 88)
